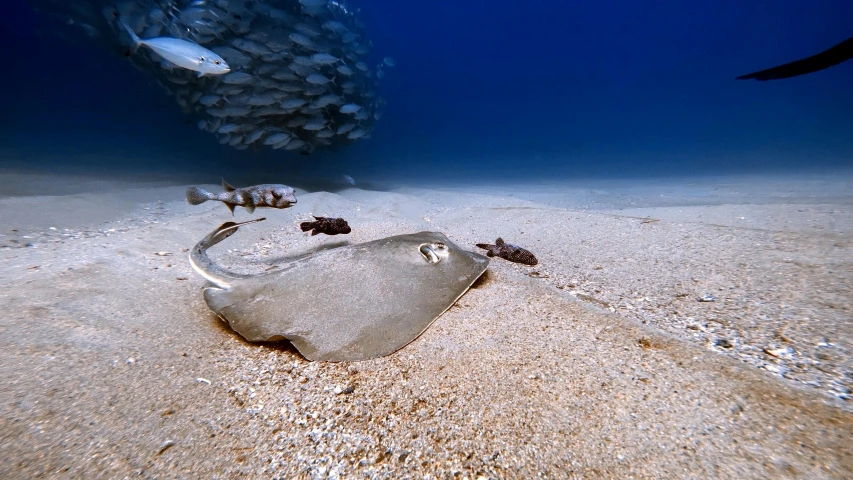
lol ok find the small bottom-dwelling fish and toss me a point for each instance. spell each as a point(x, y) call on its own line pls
point(510, 252)
point(267, 195)
point(329, 226)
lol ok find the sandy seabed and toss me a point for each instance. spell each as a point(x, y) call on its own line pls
point(600, 362)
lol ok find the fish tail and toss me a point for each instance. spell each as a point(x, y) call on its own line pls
point(132, 34)
point(305, 226)
point(490, 252)
point(197, 196)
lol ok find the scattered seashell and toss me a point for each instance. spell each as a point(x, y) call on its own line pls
point(165, 446)
point(785, 352)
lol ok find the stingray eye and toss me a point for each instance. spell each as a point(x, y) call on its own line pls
point(426, 250)
point(439, 246)
point(217, 62)
point(201, 59)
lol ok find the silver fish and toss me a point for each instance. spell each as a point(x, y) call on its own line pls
point(183, 53)
point(209, 100)
point(315, 125)
point(276, 139)
point(293, 103)
point(307, 29)
point(249, 46)
point(301, 39)
point(317, 79)
point(356, 134)
point(350, 108)
point(345, 128)
point(345, 70)
point(254, 136)
point(228, 128)
point(335, 26)
point(267, 195)
point(324, 58)
point(237, 78)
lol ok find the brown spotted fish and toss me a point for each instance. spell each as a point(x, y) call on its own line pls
point(329, 226)
point(267, 195)
point(510, 252)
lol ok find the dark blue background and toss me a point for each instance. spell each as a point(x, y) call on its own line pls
point(497, 88)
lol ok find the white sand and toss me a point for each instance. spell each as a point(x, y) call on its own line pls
point(599, 362)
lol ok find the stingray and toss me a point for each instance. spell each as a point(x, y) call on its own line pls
point(350, 303)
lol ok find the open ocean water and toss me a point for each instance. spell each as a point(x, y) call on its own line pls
point(477, 90)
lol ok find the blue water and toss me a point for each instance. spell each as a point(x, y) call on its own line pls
point(482, 89)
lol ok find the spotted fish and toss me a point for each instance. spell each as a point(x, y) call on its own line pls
point(329, 226)
point(268, 195)
point(510, 252)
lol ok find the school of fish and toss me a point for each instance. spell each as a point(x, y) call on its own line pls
point(280, 74)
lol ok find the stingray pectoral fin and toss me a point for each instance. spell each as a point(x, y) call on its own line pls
point(230, 306)
point(253, 309)
point(217, 299)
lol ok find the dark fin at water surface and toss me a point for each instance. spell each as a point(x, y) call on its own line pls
point(821, 61)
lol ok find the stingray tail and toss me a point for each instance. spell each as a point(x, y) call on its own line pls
point(202, 264)
point(197, 196)
point(222, 232)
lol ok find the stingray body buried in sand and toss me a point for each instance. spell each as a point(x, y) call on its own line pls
point(349, 303)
